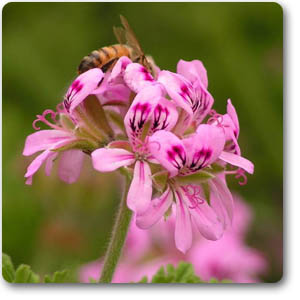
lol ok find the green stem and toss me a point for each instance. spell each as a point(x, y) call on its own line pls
point(118, 238)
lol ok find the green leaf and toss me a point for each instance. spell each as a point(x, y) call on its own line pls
point(214, 280)
point(58, 277)
point(199, 177)
point(8, 269)
point(184, 273)
point(92, 280)
point(143, 280)
point(24, 274)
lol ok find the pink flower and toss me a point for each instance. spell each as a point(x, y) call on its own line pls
point(72, 130)
point(228, 258)
point(50, 141)
point(182, 158)
point(148, 113)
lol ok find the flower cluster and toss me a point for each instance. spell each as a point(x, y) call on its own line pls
point(161, 130)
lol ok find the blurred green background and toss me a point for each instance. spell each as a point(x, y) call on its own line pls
point(51, 225)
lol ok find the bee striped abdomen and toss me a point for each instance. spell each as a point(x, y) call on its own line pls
point(103, 58)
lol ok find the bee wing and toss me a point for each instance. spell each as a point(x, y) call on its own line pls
point(120, 35)
point(130, 37)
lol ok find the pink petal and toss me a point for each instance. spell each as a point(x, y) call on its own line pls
point(107, 160)
point(183, 227)
point(141, 110)
point(36, 164)
point(168, 150)
point(178, 89)
point(237, 161)
point(140, 191)
point(137, 77)
point(216, 203)
point(119, 68)
point(193, 70)
point(225, 196)
point(84, 85)
point(233, 115)
point(204, 147)
point(155, 211)
point(43, 139)
point(70, 165)
point(205, 219)
point(164, 116)
point(49, 163)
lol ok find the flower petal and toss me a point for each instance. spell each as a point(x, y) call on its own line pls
point(118, 70)
point(178, 89)
point(225, 196)
point(70, 165)
point(217, 204)
point(205, 219)
point(137, 77)
point(110, 159)
point(164, 115)
point(183, 226)
point(233, 115)
point(49, 163)
point(140, 191)
point(169, 150)
point(43, 139)
point(141, 110)
point(155, 211)
point(193, 70)
point(237, 161)
point(204, 147)
point(84, 85)
point(35, 165)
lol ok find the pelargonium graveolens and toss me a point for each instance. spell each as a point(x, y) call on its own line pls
point(161, 130)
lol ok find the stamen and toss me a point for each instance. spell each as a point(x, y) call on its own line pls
point(238, 173)
point(42, 118)
point(241, 173)
point(193, 193)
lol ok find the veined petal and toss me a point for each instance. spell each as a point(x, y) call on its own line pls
point(110, 159)
point(193, 70)
point(237, 161)
point(178, 88)
point(169, 150)
point(204, 147)
point(84, 85)
point(141, 110)
point(183, 226)
point(137, 77)
point(43, 139)
point(70, 165)
point(155, 211)
point(164, 115)
point(140, 191)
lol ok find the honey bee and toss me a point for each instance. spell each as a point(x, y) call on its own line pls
point(106, 57)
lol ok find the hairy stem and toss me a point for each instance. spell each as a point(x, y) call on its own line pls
point(118, 238)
